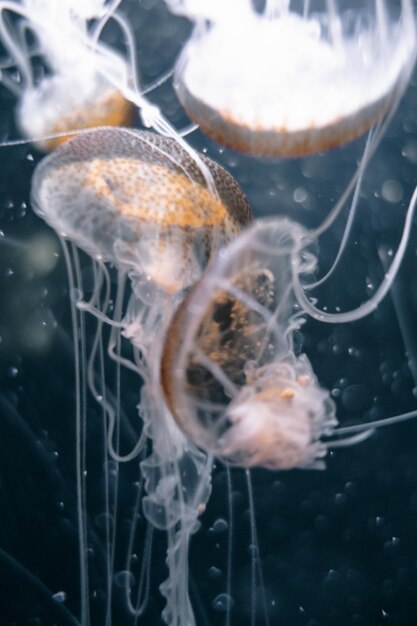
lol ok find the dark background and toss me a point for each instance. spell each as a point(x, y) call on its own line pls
point(337, 546)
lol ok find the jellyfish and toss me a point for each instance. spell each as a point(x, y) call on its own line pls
point(232, 370)
point(83, 82)
point(137, 201)
point(293, 79)
point(315, 525)
point(75, 88)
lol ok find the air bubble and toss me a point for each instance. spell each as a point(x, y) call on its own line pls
point(214, 572)
point(220, 526)
point(392, 191)
point(222, 603)
point(60, 597)
point(300, 195)
point(124, 579)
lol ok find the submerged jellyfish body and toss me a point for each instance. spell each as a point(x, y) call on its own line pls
point(75, 88)
point(230, 373)
point(293, 80)
point(138, 202)
point(232, 370)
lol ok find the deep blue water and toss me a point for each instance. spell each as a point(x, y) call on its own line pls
point(337, 546)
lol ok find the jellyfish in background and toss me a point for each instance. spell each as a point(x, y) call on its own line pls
point(138, 202)
point(82, 78)
point(293, 79)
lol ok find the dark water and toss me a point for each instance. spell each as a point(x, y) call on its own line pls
point(337, 546)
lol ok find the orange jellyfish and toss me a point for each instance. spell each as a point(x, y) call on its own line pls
point(76, 88)
point(294, 79)
point(140, 203)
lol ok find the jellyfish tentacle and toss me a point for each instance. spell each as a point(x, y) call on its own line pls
point(10, 44)
point(386, 421)
point(177, 482)
point(230, 532)
point(256, 564)
point(101, 23)
point(16, 569)
point(80, 468)
point(269, 328)
point(157, 82)
point(143, 586)
point(14, 88)
point(217, 372)
point(113, 350)
point(89, 308)
point(377, 134)
point(370, 305)
point(105, 53)
point(131, 54)
point(351, 441)
point(349, 221)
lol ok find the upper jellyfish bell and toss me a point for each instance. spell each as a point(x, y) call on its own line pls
point(293, 81)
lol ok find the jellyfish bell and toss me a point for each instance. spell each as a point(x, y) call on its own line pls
point(291, 82)
point(230, 371)
point(69, 104)
point(76, 91)
point(139, 201)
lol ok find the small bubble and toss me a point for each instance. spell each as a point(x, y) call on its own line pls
point(13, 372)
point(300, 195)
point(410, 151)
point(340, 499)
point(220, 525)
point(214, 572)
point(76, 295)
point(222, 603)
point(356, 398)
point(59, 597)
point(392, 191)
point(124, 579)
point(41, 253)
